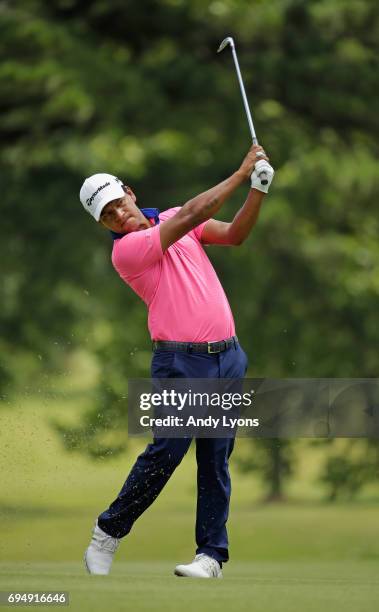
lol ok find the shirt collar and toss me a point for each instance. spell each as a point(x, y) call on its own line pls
point(149, 213)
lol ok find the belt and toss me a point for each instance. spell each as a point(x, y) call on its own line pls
point(195, 347)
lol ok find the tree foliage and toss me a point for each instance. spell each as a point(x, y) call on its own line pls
point(136, 89)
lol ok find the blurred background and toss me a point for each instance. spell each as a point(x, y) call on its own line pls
point(137, 89)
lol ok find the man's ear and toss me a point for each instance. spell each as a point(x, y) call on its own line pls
point(130, 192)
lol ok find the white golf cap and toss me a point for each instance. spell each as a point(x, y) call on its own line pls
point(99, 189)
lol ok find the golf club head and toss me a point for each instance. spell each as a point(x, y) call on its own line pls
point(225, 42)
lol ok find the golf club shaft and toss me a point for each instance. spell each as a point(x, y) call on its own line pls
point(244, 98)
point(262, 175)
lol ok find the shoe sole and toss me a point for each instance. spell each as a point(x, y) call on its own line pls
point(180, 575)
point(85, 562)
point(177, 573)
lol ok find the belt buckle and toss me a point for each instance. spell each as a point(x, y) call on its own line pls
point(210, 350)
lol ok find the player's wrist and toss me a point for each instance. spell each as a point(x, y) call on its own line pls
point(243, 175)
point(257, 193)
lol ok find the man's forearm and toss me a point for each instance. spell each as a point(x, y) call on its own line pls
point(246, 217)
point(207, 204)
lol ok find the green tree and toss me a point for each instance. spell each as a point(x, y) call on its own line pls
point(138, 90)
point(274, 460)
point(346, 471)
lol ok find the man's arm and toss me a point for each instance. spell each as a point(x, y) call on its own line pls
point(207, 204)
point(234, 233)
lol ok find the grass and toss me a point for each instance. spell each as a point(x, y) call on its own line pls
point(275, 587)
point(291, 532)
point(305, 554)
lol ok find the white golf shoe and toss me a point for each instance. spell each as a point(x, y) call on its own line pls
point(99, 554)
point(202, 566)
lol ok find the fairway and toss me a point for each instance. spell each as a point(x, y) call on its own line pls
point(274, 587)
point(302, 555)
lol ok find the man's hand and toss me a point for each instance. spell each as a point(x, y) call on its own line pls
point(255, 154)
point(262, 166)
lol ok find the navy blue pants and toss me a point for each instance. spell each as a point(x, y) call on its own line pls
point(155, 465)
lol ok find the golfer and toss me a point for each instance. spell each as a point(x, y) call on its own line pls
point(161, 257)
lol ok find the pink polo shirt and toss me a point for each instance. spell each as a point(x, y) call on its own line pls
point(180, 287)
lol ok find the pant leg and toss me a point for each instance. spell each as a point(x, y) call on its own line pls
point(147, 478)
point(213, 496)
point(213, 478)
point(150, 472)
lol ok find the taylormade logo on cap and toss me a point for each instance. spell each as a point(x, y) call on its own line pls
point(90, 200)
point(99, 189)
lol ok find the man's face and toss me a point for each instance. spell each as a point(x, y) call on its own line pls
point(123, 215)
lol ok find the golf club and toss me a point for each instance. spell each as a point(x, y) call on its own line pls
point(225, 43)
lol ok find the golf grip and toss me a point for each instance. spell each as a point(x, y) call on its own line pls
point(262, 175)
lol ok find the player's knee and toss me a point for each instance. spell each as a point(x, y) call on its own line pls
point(168, 452)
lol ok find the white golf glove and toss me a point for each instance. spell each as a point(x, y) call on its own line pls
point(262, 166)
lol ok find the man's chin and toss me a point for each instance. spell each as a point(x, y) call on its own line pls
point(128, 228)
point(138, 227)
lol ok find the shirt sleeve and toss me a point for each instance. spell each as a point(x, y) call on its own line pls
point(195, 232)
point(199, 230)
point(136, 252)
